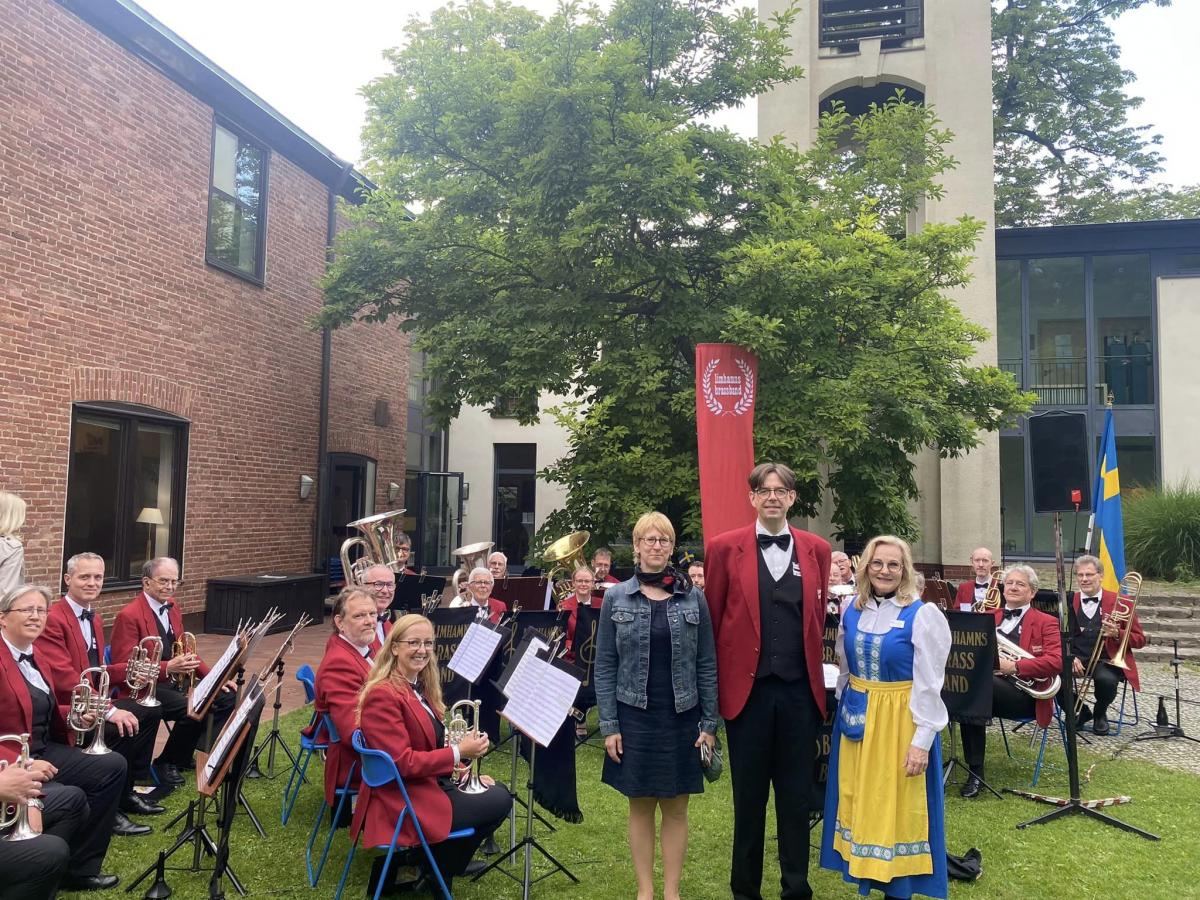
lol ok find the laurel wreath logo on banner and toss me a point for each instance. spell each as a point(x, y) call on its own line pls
point(745, 397)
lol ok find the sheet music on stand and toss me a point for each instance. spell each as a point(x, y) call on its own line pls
point(475, 651)
point(241, 645)
point(540, 695)
point(213, 769)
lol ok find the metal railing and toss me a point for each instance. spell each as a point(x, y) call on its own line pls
point(1062, 381)
point(846, 22)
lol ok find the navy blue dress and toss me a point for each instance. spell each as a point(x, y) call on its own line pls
point(660, 756)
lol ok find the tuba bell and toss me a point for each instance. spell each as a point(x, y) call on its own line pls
point(565, 556)
point(16, 815)
point(1123, 611)
point(141, 673)
point(470, 556)
point(378, 542)
point(94, 701)
point(458, 729)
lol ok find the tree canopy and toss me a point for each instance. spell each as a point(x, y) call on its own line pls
point(579, 229)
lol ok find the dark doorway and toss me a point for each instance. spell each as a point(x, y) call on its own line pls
point(352, 496)
point(513, 500)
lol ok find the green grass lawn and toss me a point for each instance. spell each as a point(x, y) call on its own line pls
point(1073, 858)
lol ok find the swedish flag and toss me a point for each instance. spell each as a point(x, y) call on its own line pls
point(1106, 507)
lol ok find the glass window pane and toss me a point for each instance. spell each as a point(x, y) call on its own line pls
point(1008, 315)
point(1137, 462)
point(225, 156)
point(1057, 335)
point(522, 457)
point(91, 520)
point(1012, 494)
point(1187, 262)
point(249, 176)
point(222, 218)
point(246, 228)
point(153, 479)
point(1121, 299)
point(412, 450)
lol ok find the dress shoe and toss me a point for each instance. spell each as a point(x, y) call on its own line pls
point(474, 867)
point(99, 882)
point(123, 826)
point(139, 806)
point(1100, 725)
point(168, 773)
point(1084, 716)
point(971, 789)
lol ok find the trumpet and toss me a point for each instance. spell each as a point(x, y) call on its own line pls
point(1014, 652)
point(141, 673)
point(88, 701)
point(16, 815)
point(458, 729)
point(993, 597)
point(184, 646)
point(1121, 617)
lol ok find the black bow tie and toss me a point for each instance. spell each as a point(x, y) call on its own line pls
point(1091, 599)
point(85, 615)
point(25, 657)
point(1012, 613)
point(166, 606)
point(779, 540)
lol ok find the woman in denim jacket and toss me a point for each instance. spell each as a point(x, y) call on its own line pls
point(656, 686)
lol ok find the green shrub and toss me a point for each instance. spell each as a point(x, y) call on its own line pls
point(1162, 531)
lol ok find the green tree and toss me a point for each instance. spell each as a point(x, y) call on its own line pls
point(581, 229)
point(1065, 149)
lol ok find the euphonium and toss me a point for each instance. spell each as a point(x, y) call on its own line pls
point(378, 540)
point(85, 701)
point(458, 729)
point(565, 556)
point(16, 815)
point(141, 674)
point(1014, 652)
point(1123, 611)
point(993, 597)
point(471, 556)
point(184, 646)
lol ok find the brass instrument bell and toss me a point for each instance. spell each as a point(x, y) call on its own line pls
point(378, 542)
point(16, 815)
point(458, 729)
point(565, 556)
point(141, 673)
point(95, 701)
point(470, 556)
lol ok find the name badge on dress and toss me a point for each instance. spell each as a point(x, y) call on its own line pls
point(899, 623)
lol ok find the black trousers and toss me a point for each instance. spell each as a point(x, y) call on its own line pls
point(1105, 682)
point(32, 869)
point(102, 780)
point(1008, 702)
point(188, 735)
point(772, 743)
point(139, 748)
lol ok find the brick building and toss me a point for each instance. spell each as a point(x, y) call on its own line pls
point(162, 233)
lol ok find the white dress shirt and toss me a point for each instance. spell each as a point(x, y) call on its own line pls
point(85, 625)
point(32, 675)
point(1008, 626)
point(1089, 606)
point(364, 652)
point(776, 558)
point(931, 646)
point(164, 615)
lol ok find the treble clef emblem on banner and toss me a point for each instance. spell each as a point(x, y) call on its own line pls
point(586, 654)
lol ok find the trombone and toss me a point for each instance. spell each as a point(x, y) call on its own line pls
point(16, 815)
point(1121, 616)
point(90, 701)
point(141, 673)
point(184, 646)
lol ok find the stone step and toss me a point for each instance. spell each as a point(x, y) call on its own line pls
point(1147, 601)
point(1160, 613)
point(1164, 639)
point(1161, 653)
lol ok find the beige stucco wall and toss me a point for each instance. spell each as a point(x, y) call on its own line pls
point(959, 507)
point(1179, 377)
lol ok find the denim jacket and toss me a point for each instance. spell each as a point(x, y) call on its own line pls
point(623, 654)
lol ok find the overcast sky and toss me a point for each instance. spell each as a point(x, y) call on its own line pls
point(309, 60)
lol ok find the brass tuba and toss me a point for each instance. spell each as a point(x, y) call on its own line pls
point(378, 542)
point(565, 556)
point(184, 646)
point(95, 701)
point(470, 556)
point(1123, 611)
point(141, 674)
point(16, 815)
point(1014, 652)
point(458, 729)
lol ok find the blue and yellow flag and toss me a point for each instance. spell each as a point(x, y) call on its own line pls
point(1106, 507)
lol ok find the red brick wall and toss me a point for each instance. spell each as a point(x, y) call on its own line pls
point(106, 296)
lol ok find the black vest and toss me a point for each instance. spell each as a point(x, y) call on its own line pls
point(781, 613)
point(1087, 632)
point(39, 726)
point(93, 654)
point(167, 635)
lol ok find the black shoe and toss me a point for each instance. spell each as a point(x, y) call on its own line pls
point(971, 789)
point(168, 773)
point(474, 867)
point(1100, 725)
point(490, 847)
point(139, 806)
point(123, 826)
point(99, 882)
point(1084, 717)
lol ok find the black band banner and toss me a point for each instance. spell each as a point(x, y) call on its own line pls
point(449, 626)
point(829, 639)
point(586, 622)
point(967, 690)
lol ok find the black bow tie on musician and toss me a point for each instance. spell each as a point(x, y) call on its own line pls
point(779, 540)
point(1013, 613)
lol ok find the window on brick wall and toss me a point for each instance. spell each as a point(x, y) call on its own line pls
point(237, 204)
point(125, 487)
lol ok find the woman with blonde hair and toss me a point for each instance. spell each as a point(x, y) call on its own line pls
point(884, 826)
point(12, 552)
point(656, 686)
point(400, 712)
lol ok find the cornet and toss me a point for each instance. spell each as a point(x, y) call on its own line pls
point(16, 815)
point(455, 732)
point(185, 646)
point(142, 671)
point(85, 701)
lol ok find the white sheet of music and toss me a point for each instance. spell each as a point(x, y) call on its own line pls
point(475, 651)
point(536, 646)
point(540, 702)
point(220, 747)
point(210, 682)
point(831, 675)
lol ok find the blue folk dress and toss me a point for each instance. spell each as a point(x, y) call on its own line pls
point(883, 829)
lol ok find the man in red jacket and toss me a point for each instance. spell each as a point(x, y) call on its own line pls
point(765, 586)
point(1035, 632)
point(381, 582)
point(155, 612)
point(969, 592)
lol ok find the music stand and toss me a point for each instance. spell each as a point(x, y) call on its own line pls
point(274, 738)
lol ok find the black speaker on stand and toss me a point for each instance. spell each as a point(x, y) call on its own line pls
point(1059, 450)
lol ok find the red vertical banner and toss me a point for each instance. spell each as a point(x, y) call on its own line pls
point(726, 382)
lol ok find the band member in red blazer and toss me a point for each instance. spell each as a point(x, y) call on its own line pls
point(1090, 605)
point(1038, 634)
point(380, 581)
point(74, 641)
point(340, 679)
point(81, 792)
point(584, 583)
point(155, 612)
point(479, 594)
point(602, 568)
point(400, 712)
point(765, 586)
point(972, 590)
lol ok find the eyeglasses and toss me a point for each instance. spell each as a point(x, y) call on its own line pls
point(764, 493)
point(657, 541)
point(381, 585)
point(877, 565)
point(31, 611)
point(416, 644)
point(167, 582)
point(479, 583)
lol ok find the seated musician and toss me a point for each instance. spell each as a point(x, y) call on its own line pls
point(973, 591)
point(479, 595)
point(583, 582)
point(155, 612)
point(1091, 605)
point(695, 571)
point(403, 544)
point(74, 641)
point(1036, 633)
point(842, 561)
point(380, 581)
point(88, 787)
point(497, 564)
point(33, 868)
point(401, 713)
point(340, 678)
point(602, 566)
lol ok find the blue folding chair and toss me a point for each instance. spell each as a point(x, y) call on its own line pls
point(1121, 720)
point(379, 769)
point(309, 744)
point(342, 793)
point(1041, 755)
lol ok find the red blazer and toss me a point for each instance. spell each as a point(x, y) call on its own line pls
point(340, 678)
point(376, 645)
point(16, 709)
point(135, 622)
point(496, 608)
point(61, 647)
point(1040, 636)
point(394, 721)
point(965, 593)
point(571, 604)
point(731, 588)
point(1137, 637)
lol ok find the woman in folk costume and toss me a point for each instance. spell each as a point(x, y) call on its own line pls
point(884, 823)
